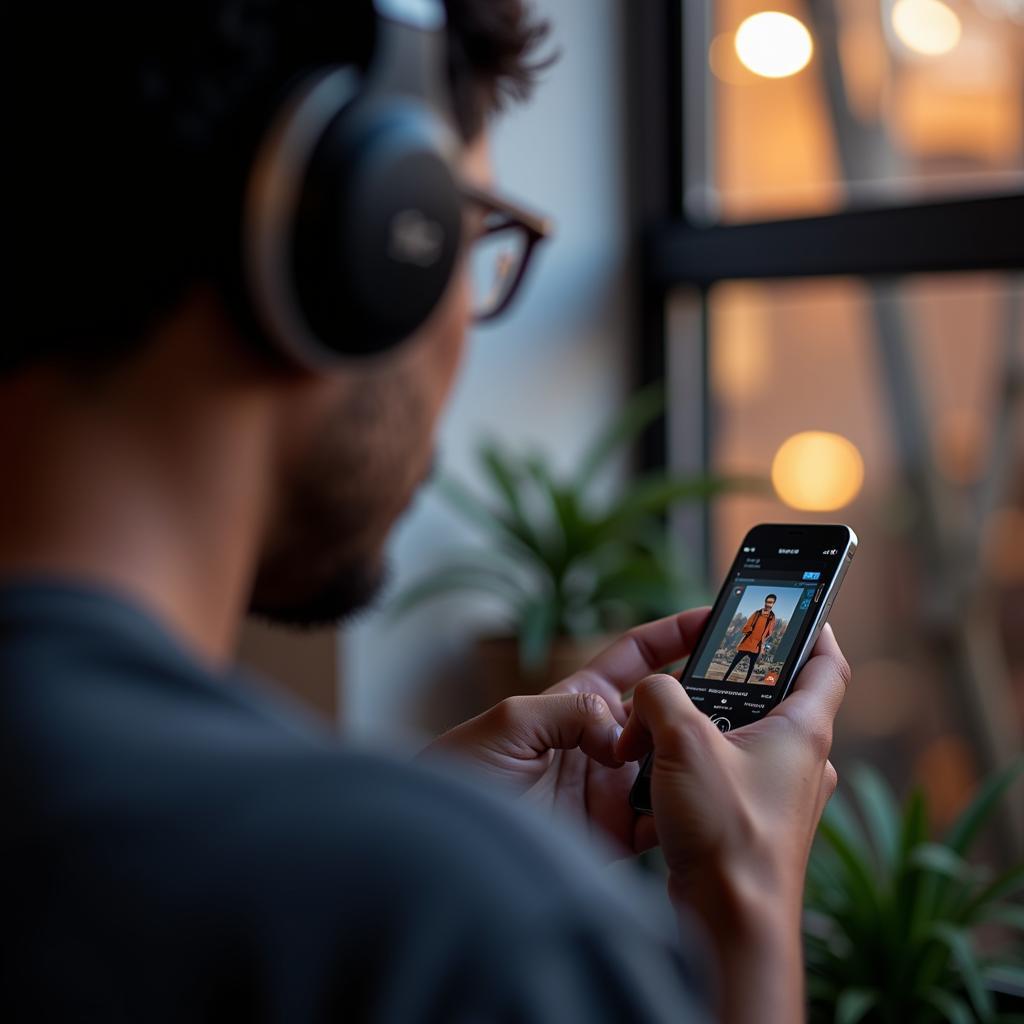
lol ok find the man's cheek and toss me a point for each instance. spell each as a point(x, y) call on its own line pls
point(456, 323)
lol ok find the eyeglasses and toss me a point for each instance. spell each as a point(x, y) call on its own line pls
point(500, 253)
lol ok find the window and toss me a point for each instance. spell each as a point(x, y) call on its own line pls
point(839, 250)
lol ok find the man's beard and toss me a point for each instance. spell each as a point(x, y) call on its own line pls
point(324, 598)
point(320, 564)
point(324, 558)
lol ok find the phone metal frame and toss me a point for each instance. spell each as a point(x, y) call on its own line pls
point(826, 606)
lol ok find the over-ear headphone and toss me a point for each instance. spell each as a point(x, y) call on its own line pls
point(352, 217)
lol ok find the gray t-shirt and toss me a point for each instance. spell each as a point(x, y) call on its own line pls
point(178, 846)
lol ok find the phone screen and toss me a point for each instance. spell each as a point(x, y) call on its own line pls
point(773, 603)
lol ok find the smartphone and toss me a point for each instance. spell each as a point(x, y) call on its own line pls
point(767, 616)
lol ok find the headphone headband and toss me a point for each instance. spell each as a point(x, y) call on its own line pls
point(425, 15)
point(409, 57)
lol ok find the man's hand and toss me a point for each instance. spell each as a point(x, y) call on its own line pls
point(517, 742)
point(559, 747)
point(736, 813)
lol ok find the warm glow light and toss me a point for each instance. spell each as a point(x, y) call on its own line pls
point(773, 44)
point(817, 472)
point(926, 26)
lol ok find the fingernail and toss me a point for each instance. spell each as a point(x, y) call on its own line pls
point(618, 733)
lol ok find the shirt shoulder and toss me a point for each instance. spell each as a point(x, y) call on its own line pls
point(225, 855)
point(431, 900)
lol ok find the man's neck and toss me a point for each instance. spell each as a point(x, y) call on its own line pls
point(164, 501)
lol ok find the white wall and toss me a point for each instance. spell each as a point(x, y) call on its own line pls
point(549, 373)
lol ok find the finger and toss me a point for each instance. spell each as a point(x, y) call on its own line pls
point(560, 721)
point(645, 833)
point(645, 649)
point(819, 689)
point(663, 717)
point(579, 683)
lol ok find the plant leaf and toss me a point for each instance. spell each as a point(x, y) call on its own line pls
point(824, 877)
point(639, 411)
point(941, 860)
point(640, 582)
point(959, 944)
point(853, 1003)
point(953, 1009)
point(455, 578)
point(862, 886)
point(536, 629)
point(910, 895)
point(1009, 914)
point(881, 815)
point(820, 989)
point(840, 817)
point(497, 464)
point(1006, 977)
point(569, 541)
point(964, 830)
point(915, 823)
point(656, 492)
point(493, 522)
point(1009, 883)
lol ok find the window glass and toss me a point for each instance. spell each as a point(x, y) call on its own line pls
point(818, 105)
point(898, 409)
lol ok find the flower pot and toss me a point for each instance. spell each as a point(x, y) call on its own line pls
point(496, 664)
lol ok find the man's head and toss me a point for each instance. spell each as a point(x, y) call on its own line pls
point(769, 602)
point(134, 152)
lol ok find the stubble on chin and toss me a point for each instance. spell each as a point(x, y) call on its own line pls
point(327, 597)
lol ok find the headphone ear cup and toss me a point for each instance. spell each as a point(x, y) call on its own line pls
point(377, 227)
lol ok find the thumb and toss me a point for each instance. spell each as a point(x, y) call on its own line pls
point(532, 725)
point(819, 689)
point(662, 718)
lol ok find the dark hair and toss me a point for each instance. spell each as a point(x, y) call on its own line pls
point(134, 124)
point(773, 597)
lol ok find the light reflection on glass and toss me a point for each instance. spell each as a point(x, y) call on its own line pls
point(927, 27)
point(871, 119)
point(816, 471)
point(774, 45)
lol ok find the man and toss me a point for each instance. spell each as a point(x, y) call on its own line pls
point(177, 845)
point(756, 630)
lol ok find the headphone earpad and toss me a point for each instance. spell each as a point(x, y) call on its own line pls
point(377, 229)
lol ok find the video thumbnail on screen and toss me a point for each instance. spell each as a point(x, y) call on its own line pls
point(754, 633)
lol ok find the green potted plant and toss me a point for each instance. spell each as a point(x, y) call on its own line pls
point(567, 567)
point(894, 921)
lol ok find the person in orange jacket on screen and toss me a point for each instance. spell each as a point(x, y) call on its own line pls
point(756, 631)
